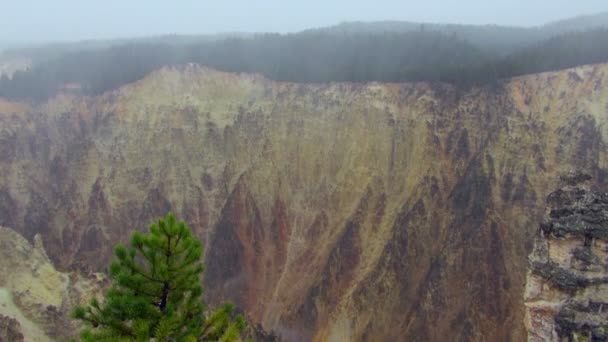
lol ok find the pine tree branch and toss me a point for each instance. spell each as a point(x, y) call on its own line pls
point(181, 267)
point(144, 292)
point(185, 264)
point(134, 268)
point(94, 321)
point(179, 237)
point(97, 322)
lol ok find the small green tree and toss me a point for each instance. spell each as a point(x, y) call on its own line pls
point(156, 293)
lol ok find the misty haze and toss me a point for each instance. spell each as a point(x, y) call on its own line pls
point(304, 171)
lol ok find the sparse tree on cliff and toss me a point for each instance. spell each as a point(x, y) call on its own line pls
point(156, 293)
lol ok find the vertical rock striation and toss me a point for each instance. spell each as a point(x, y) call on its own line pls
point(330, 211)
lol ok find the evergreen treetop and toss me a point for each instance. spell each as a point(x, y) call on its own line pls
point(156, 292)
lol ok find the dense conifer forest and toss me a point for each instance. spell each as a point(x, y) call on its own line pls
point(355, 52)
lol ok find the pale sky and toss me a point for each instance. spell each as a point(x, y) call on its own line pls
point(43, 20)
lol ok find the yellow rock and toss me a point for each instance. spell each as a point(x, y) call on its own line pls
point(35, 293)
point(330, 211)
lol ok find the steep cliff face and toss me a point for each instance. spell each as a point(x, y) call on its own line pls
point(331, 212)
point(35, 298)
point(567, 285)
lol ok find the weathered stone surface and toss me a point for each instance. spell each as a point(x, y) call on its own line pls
point(33, 292)
point(10, 330)
point(330, 211)
point(573, 178)
point(567, 286)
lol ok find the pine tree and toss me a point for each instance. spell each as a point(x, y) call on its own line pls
point(156, 293)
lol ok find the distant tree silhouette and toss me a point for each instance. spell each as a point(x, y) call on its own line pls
point(312, 56)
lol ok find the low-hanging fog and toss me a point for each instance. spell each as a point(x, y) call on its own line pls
point(41, 20)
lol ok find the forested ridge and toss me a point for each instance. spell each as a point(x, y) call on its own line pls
point(388, 52)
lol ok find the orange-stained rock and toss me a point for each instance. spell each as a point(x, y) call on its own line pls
point(391, 212)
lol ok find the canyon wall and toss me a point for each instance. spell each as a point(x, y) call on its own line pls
point(330, 212)
point(567, 285)
point(35, 298)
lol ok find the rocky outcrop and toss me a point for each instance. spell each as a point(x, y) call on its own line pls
point(10, 330)
point(37, 296)
point(567, 285)
point(336, 211)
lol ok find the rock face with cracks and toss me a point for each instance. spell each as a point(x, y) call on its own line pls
point(10, 330)
point(567, 286)
point(330, 212)
point(35, 298)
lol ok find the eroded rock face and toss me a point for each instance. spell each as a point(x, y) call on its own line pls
point(330, 212)
point(567, 286)
point(10, 330)
point(37, 296)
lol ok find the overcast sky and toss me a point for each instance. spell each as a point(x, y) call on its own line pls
point(42, 20)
